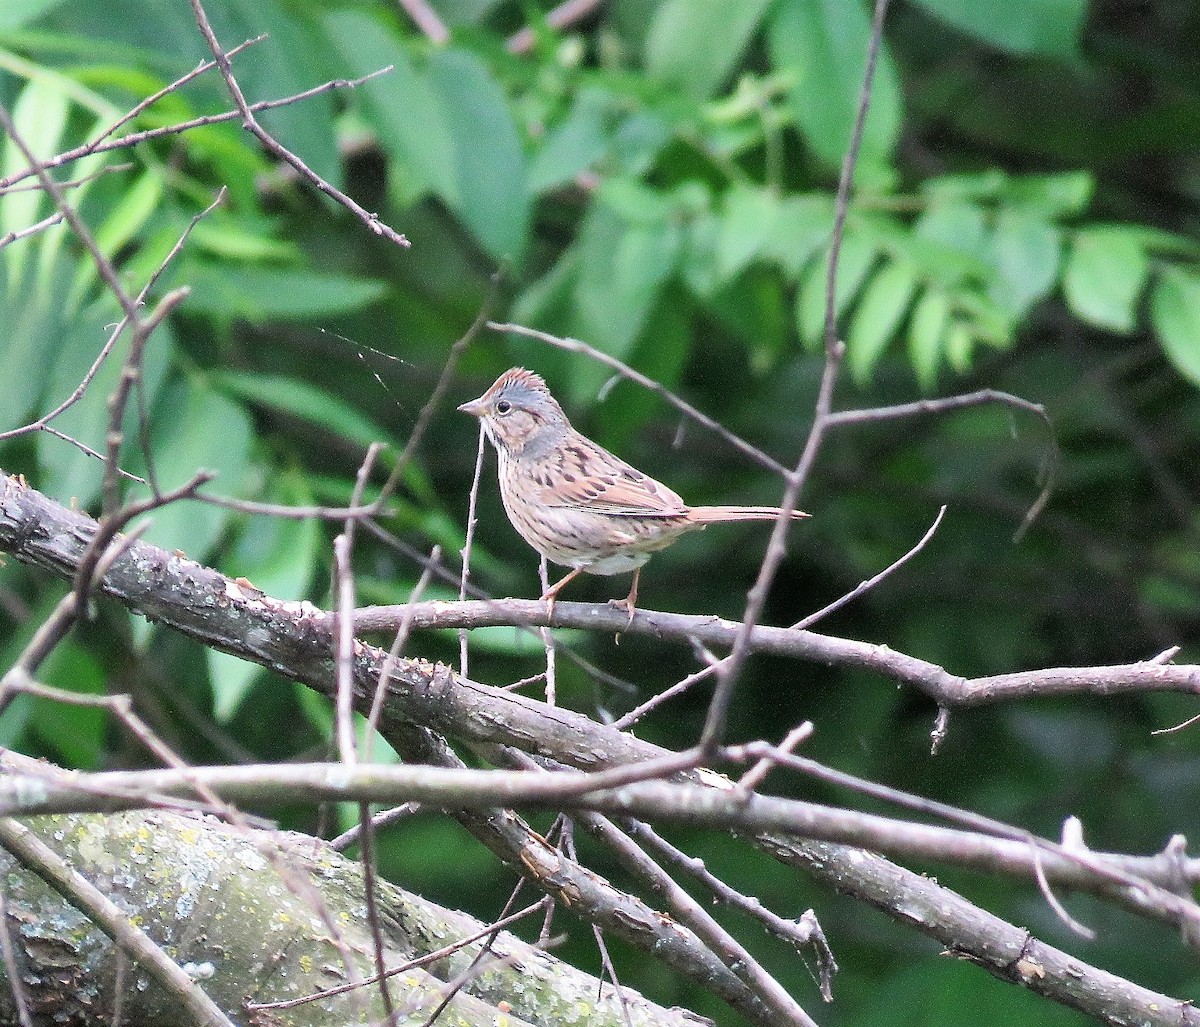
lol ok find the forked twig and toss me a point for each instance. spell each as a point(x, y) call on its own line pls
point(273, 146)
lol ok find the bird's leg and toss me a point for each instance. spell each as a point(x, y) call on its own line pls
point(552, 592)
point(629, 603)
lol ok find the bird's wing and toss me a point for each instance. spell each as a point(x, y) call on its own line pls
point(589, 477)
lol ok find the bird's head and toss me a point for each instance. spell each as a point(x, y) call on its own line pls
point(518, 412)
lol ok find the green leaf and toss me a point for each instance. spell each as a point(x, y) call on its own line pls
point(754, 308)
point(854, 261)
point(636, 202)
point(76, 733)
point(801, 228)
point(548, 302)
point(66, 471)
point(622, 269)
point(695, 44)
point(241, 240)
point(1026, 251)
point(661, 353)
point(967, 185)
point(1175, 307)
point(184, 441)
point(988, 321)
point(958, 224)
point(1104, 277)
point(135, 207)
point(15, 13)
point(299, 399)
point(575, 145)
point(40, 118)
point(1048, 27)
point(946, 263)
point(1052, 196)
point(959, 346)
point(748, 220)
point(638, 141)
point(31, 321)
point(401, 106)
point(882, 307)
point(926, 329)
point(822, 45)
point(261, 294)
point(487, 158)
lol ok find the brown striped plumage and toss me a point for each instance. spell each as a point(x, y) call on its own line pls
point(575, 502)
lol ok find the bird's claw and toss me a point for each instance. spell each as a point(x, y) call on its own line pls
point(624, 604)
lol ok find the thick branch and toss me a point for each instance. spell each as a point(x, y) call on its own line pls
point(24, 794)
point(197, 871)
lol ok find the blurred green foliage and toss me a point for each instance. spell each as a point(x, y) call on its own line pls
point(658, 181)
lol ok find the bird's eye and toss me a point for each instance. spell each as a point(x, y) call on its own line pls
point(503, 407)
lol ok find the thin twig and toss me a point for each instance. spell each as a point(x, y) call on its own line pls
point(801, 932)
point(472, 521)
point(411, 964)
point(343, 635)
point(181, 127)
point(87, 149)
point(76, 394)
point(871, 582)
point(277, 149)
point(378, 821)
point(430, 407)
point(981, 397)
point(449, 577)
point(398, 644)
point(677, 689)
point(784, 1009)
point(563, 16)
point(752, 780)
point(38, 226)
point(941, 685)
point(718, 710)
point(426, 19)
point(547, 638)
point(16, 979)
point(1039, 875)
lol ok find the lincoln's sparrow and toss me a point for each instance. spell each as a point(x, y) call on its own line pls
point(572, 500)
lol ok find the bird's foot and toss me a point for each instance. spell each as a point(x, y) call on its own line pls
point(624, 604)
point(629, 603)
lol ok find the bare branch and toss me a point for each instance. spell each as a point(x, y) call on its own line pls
point(942, 686)
point(718, 709)
point(872, 581)
point(426, 19)
point(277, 149)
point(563, 16)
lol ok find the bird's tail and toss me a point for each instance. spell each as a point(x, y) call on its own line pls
point(714, 514)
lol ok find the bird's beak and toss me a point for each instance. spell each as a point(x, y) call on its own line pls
point(475, 408)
